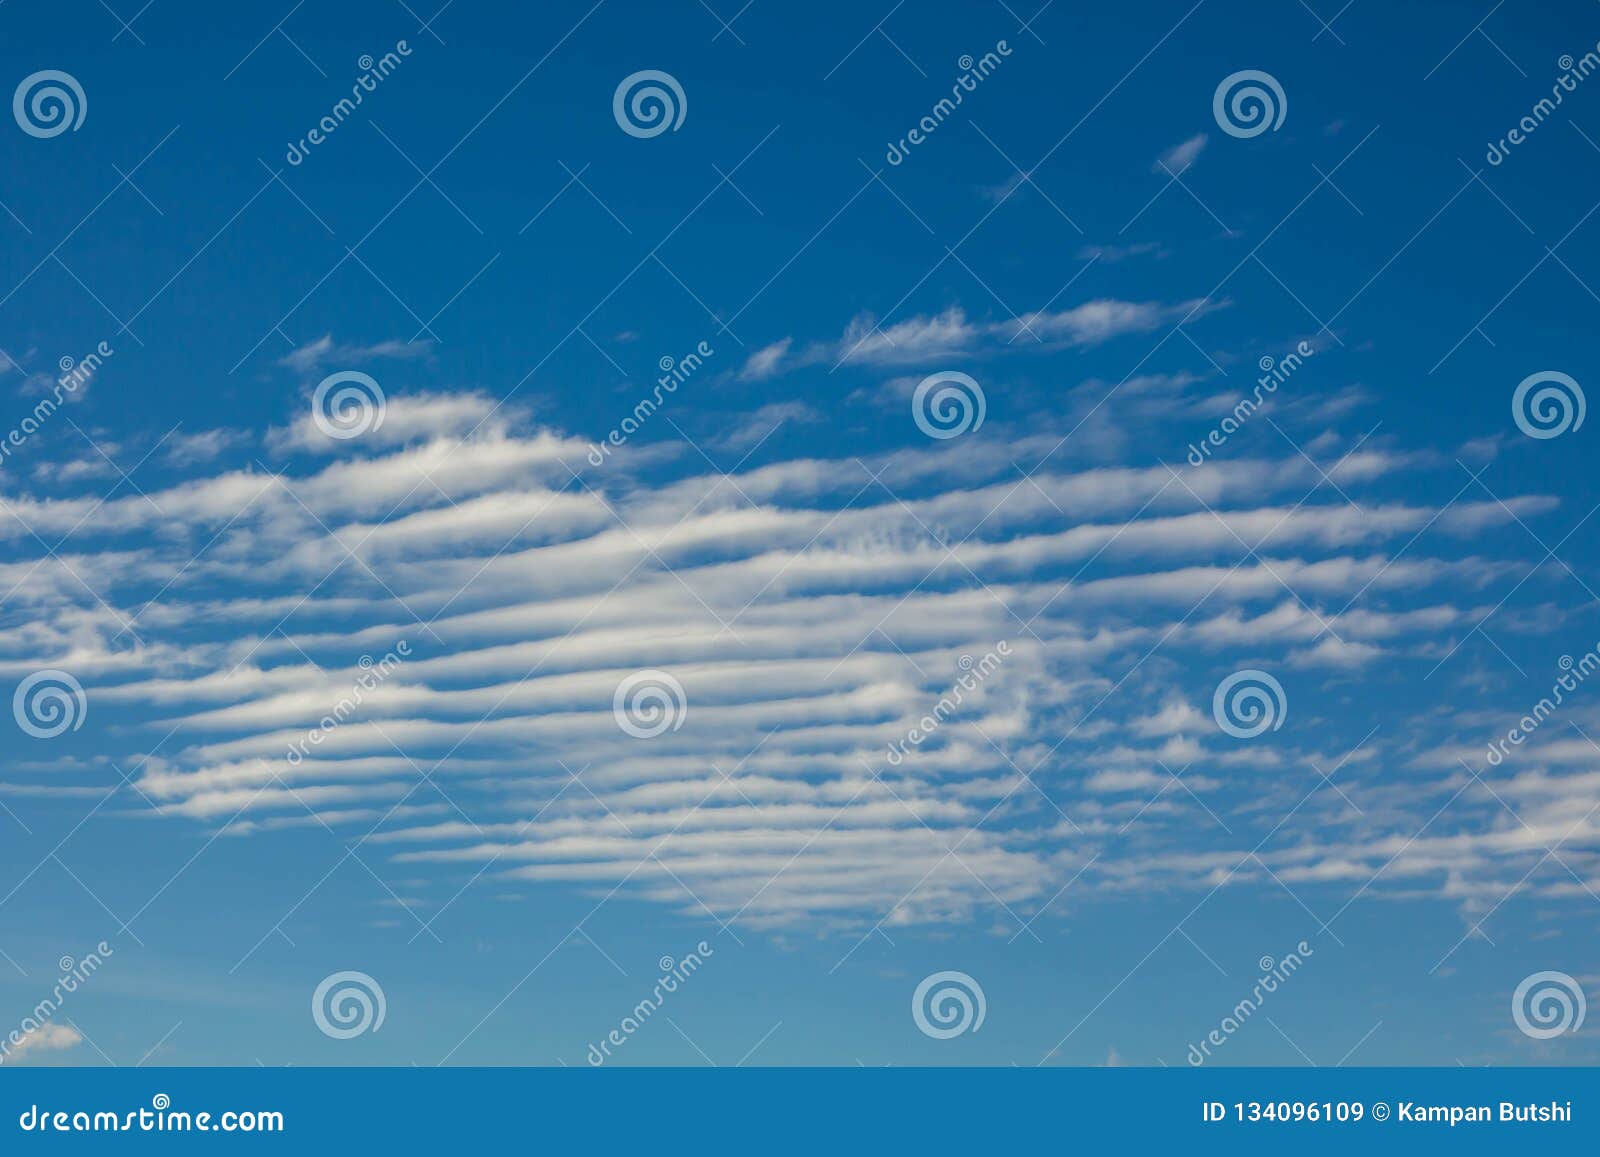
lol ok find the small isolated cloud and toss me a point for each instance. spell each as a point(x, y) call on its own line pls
point(765, 361)
point(1097, 321)
point(38, 385)
point(891, 395)
point(912, 340)
point(192, 449)
point(325, 352)
point(84, 468)
point(1115, 253)
point(1334, 652)
point(754, 427)
point(1180, 157)
point(48, 1037)
point(920, 338)
point(1006, 188)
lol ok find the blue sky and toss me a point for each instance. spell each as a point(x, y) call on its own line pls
point(778, 543)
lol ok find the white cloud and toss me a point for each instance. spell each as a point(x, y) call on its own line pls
point(924, 337)
point(751, 428)
point(813, 616)
point(48, 1037)
point(1116, 253)
point(192, 449)
point(1178, 158)
point(406, 417)
point(765, 361)
point(324, 351)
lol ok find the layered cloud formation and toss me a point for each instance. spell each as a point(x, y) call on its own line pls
point(947, 683)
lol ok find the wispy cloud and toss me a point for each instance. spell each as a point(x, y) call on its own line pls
point(766, 361)
point(1180, 156)
point(917, 339)
point(324, 351)
point(749, 429)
